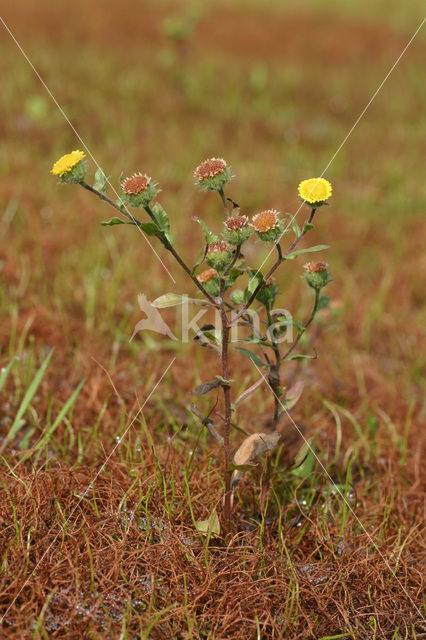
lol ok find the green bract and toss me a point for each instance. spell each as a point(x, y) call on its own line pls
point(219, 255)
point(76, 174)
point(143, 198)
point(237, 230)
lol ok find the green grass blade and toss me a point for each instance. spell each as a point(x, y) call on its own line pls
point(26, 400)
point(61, 415)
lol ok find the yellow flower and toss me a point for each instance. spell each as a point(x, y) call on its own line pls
point(315, 190)
point(67, 162)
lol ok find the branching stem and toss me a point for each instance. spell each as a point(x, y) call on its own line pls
point(164, 240)
point(281, 257)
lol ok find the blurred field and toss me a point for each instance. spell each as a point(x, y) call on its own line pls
point(158, 87)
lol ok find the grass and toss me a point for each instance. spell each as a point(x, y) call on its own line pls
point(97, 546)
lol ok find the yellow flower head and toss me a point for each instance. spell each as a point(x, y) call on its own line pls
point(67, 163)
point(315, 190)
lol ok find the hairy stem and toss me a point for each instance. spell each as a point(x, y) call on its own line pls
point(227, 397)
point(105, 198)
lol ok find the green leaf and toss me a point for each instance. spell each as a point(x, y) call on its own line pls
point(323, 303)
point(198, 261)
point(301, 357)
point(252, 356)
point(252, 285)
point(114, 221)
point(210, 527)
point(307, 226)
point(163, 221)
point(215, 336)
point(168, 300)
point(296, 229)
point(121, 205)
point(208, 234)
point(150, 228)
point(242, 467)
point(304, 461)
point(100, 181)
point(175, 299)
point(318, 247)
point(224, 383)
point(232, 276)
point(289, 322)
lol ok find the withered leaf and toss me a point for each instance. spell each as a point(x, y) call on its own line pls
point(292, 396)
point(251, 448)
point(205, 387)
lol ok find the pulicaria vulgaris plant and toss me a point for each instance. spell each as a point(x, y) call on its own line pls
point(223, 253)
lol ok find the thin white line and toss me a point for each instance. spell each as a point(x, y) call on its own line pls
point(340, 493)
point(87, 489)
point(79, 137)
point(348, 134)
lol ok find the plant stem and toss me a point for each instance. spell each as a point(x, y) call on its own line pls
point(281, 257)
point(179, 260)
point(274, 374)
point(223, 198)
point(227, 397)
point(164, 240)
point(234, 260)
point(305, 326)
point(105, 198)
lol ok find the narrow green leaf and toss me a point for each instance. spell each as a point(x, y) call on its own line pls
point(307, 226)
point(198, 261)
point(296, 229)
point(301, 357)
point(318, 247)
point(208, 234)
point(214, 336)
point(114, 221)
point(168, 300)
point(242, 467)
point(252, 356)
point(174, 299)
point(225, 383)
